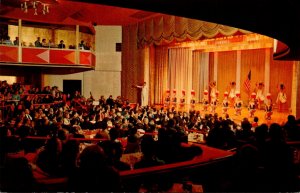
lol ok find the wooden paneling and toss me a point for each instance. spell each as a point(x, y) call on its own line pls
point(253, 60)
point(226, 70)
point(281, 72)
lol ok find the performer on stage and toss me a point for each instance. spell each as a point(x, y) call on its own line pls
point(174, 99)
point(252, 105)
point(232, 89)
point(225, 103)
point(182, 99)
point(193, 101)
point(213, 105)
point(238, 103)
point(213, 90)
point(281, 97)
point(144, 93)
point(259, 94)
point(268, 107)
point(205, 101)
point(167, 99)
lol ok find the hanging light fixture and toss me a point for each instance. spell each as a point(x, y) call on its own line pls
point(37, 6)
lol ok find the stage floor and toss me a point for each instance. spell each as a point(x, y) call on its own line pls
point(277, 117)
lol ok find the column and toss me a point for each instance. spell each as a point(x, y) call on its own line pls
point(238, 70)
point(295, 103)
point(76, 44)
point(267, 71)
point(20, 40)
point(215, 66)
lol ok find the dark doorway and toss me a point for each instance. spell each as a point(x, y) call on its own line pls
point(70, 86)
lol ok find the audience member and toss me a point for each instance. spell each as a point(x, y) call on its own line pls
point(16, 41)
point(94, 174)
point(38, 43)
point(61, 44)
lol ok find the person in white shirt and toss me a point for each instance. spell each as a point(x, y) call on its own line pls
point(281, 98)
point(260, 94)
point(144, 93)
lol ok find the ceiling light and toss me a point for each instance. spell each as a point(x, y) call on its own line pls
point(37, 6)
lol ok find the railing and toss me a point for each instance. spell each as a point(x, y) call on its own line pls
point(55, 56)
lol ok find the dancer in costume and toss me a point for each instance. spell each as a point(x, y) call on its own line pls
point(252, 104)
point(281, 97)
point(213, 90)
point(260, 98)
point(167, 99)
point(268, 107)
point(232, 89)
point(205, 101)
point(225, 103)
point(193, 101)
point(174, 99)
point(182, 99)
point(238, 103)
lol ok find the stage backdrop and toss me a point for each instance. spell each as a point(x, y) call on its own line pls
point(171, 66)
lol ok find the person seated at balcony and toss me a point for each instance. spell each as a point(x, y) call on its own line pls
point(7, 41)
point(44, 43)
point(72, 47)
point(61, 44)
point(16, 41)
point(51, 44)
point(38, 43)
point(87, 46)
point(82, 45)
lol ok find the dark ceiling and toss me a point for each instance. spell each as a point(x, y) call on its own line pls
point(276, 19)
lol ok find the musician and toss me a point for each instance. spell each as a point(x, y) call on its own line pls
point(238, 103)
point(268, 107)
point(214, 102)
point(205, 100)
point(232, 89)
point(225, 103)
point(259, 94)
point(252, 104)
point(281, 97)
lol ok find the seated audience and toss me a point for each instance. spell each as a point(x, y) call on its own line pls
point(61, 44)
point(94, 174)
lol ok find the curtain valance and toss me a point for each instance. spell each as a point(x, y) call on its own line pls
point(166, 28)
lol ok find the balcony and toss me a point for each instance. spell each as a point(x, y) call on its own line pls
point(47, 59)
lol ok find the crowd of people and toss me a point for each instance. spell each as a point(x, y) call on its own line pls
point(157, 132)
point(6, 40)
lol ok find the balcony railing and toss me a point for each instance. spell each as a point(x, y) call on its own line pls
point(53, 56)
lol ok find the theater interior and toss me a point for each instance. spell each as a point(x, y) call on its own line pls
point(172, 45)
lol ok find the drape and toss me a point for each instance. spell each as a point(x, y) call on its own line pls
point(160, 76)
point(200, 73)
point(253, 60)
point(281, 72)
point(180, 71)
point(164, 29)
point(226, 71)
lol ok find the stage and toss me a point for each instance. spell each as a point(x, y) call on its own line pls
point(277, 117)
